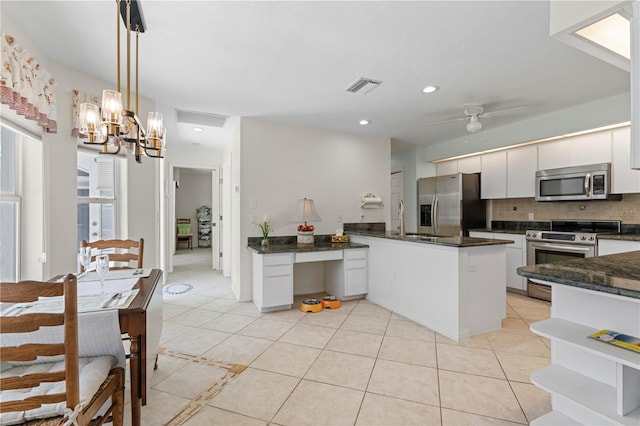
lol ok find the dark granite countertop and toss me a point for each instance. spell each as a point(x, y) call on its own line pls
point(433, 239)
point(615, 273)
point(621, 237)
point(500, 231)
point(294, 248)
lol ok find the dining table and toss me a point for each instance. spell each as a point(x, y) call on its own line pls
point(141, 321)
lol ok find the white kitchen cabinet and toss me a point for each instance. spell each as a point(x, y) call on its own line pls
point(470, 164)
point(553, 155)
point(493, 183)
point(516, 256)
point(591, 149)
point(447, 168)
point(522, 164)
point(616, 246)
point(463, 165)
point(348, 279)
point(272, 281)
point(624, 179)
point(576, 151)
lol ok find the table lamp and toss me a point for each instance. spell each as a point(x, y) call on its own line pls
point(306, 211)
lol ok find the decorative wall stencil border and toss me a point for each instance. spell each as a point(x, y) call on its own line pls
point(189, 410)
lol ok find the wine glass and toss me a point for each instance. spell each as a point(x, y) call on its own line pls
point(85, 257)
point(102, 269)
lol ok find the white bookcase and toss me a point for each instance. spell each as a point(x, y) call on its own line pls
point(591, 382)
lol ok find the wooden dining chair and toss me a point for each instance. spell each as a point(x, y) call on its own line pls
point(44, 377)
point(122, 253)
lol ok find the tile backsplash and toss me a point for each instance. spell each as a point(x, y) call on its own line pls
point(518, 209)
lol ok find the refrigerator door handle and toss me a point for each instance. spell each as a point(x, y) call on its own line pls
point(434, 214)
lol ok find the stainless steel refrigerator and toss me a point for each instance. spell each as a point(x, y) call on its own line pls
point(450, 205)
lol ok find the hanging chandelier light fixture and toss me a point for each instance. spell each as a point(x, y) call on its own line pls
point(113, 126)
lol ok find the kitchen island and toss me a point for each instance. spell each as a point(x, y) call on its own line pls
point(591, 382)
point(453, 285)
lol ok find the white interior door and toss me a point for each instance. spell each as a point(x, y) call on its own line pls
point(397, 194)
point(215, 219)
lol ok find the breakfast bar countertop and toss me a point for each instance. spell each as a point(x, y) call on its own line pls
point(615, 273)
point(460, 242)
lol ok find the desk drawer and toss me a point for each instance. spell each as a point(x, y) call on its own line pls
point(277, 259)
point(278, 270)
point(355, 254)
point(356, 263)
point(318, 256)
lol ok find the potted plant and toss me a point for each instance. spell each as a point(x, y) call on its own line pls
point(265, 227)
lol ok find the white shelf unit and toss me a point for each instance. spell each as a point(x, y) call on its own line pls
point(203, 215)
point(591, 382)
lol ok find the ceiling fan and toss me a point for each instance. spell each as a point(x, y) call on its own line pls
point(473, 113)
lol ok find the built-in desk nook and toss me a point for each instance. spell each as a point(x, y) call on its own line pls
point(345, 268)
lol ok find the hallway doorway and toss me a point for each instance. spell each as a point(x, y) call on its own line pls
point(196, 201)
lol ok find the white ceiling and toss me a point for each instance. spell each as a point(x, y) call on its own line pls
point(291, 61)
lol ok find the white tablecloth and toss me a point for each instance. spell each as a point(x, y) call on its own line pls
point(98, 335)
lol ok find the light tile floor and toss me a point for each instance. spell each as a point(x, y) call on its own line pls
point(358, 365)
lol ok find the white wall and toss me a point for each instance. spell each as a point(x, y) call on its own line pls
point(60, 160)
point(194, 192)
point(281, 164)
point(237, 245)
point(405, 161)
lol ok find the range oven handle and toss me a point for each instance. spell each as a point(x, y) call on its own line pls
point(574, 249)
point(587, 185)
point(532, 246)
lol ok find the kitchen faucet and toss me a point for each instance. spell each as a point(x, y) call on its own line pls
point(403, 231)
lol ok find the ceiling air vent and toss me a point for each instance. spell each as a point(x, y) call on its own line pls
point(201, 118)
point(363, 85)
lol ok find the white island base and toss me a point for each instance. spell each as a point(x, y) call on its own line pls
point(456, 291)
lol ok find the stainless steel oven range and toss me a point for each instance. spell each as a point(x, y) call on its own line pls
point(566, 240)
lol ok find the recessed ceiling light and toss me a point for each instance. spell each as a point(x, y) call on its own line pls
point(364, 122)
point(612, 32)
point(430, 89)
point(198, 129)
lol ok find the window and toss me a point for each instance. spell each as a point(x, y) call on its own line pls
point(22, 238)
point(96, 197)
point(9, 207)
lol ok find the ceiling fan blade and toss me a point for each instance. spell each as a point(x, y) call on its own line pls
point(446, 121)
point(503, 111)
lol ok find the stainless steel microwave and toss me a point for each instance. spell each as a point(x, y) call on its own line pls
point(590, 182)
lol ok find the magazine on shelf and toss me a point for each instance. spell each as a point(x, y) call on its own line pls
point(618, 339)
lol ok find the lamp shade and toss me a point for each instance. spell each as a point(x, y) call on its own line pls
point(306, 211)
point(112, 107)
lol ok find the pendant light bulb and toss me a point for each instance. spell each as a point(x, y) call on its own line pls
point(155, 129)
point(112, 109)
point(90, 124)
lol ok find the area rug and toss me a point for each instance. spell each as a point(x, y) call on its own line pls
point(179, 288)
